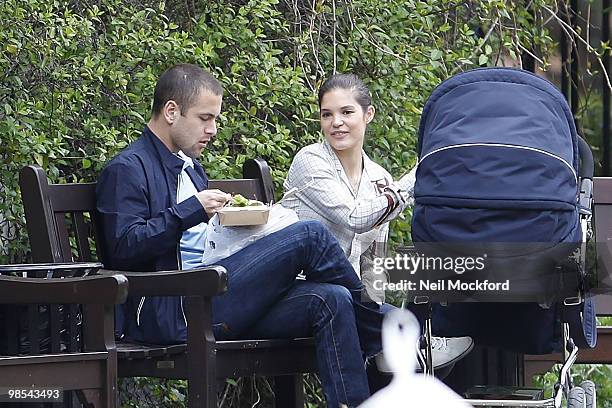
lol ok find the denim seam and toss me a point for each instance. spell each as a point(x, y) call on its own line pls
point(333, 338)
point(316, 238)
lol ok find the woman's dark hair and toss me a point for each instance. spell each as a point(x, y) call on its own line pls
point(350, 82)
point(182, 84)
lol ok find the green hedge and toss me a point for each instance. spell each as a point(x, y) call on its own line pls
point(77, 77)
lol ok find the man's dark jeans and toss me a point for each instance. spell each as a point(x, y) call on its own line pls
point(265, 300)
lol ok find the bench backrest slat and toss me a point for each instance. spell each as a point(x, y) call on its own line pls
point(10, 328)
point(82, 234)
point(34, 329)
point(55, 327)
point(63, 237)
point(249, 188)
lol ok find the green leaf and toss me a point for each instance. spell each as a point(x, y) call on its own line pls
point(435, 54)
point(69, 31)
point(11, 49)
point(39, 159)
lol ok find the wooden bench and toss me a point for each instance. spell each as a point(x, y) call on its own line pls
point(87, 362)
point(203, 361)
point(602, 223)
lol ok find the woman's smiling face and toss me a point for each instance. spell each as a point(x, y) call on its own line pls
point(343, 120)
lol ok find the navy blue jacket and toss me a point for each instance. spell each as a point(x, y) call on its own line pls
point(142, 226)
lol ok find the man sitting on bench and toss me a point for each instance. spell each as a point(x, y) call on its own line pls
point(154, 205)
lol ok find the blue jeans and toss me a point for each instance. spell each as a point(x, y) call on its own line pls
point(265, 300)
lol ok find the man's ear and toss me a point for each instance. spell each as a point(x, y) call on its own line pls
point(171, 111)
point(370, 114)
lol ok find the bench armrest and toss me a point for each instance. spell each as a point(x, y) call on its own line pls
point(49, 270)
point(205, 282)
point(112, 289)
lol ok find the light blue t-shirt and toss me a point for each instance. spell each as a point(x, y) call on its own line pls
point(193, 239)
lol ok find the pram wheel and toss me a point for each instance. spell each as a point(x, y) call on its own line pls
point(590, 393)
point(576, 398)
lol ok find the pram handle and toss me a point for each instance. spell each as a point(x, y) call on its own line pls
point(586, 159)
point(586, 180)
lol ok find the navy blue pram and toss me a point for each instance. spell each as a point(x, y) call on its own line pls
point(498, 158)
point(500, 161)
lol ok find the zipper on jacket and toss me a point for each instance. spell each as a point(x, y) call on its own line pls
point(138, 311)
point(179, 261)
point(183, 311)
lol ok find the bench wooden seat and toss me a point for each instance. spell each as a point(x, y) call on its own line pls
point(126, 350)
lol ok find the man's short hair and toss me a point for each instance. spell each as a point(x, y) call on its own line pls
point(182, 84)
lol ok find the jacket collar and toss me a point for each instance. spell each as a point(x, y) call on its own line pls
point(170, 161)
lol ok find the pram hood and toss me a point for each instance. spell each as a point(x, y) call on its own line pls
point(498, 164)
point(497, 138)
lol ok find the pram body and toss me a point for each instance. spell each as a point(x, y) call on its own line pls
point(500, 162)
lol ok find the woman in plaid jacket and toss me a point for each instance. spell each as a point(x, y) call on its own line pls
point(335, 182)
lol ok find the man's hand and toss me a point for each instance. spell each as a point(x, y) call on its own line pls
point(213, 200)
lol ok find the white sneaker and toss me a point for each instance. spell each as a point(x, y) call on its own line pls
point(445, 351)
point(448, 350)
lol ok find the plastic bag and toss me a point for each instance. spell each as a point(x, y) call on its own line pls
point(222, 242)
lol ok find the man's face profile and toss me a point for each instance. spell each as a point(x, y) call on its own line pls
point(193, 128)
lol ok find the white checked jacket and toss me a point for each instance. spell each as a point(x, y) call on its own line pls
point(358, 219)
